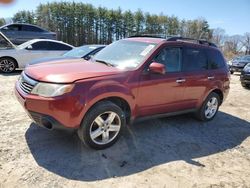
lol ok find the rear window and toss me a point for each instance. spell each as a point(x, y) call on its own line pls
point(194, 60)
point(215, 59)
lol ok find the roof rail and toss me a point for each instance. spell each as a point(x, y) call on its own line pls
point(149, 35)
point(198, 41)
point(176, 38)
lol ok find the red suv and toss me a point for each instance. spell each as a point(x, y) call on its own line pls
point(137, 77)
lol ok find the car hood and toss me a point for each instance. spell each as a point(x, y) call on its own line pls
point(69, 70)
point(241, 62)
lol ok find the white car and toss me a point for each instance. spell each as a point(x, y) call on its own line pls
point(12, 57)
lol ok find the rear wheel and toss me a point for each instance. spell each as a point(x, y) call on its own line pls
point(209, 108)
point(102, 125)
point(7, 65)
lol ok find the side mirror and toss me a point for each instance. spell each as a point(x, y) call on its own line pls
point(157, 68)
point(89, 57)
point(29, 47)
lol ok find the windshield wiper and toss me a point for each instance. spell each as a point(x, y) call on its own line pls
point(104, 62)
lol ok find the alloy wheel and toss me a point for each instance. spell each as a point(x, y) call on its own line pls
point(105, 128)
point(211, 107)
point(7, 65)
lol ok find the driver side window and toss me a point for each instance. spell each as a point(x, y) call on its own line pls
point(171, 58)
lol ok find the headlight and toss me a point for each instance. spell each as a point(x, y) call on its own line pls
point(247, 68)
point(51, 90)
point(229, 62)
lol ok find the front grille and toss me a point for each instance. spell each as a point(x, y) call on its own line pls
point(26, 87)
point(26, 83)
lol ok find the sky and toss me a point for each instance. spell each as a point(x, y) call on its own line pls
point(231, 15)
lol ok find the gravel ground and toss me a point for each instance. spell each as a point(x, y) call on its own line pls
point(168, 152)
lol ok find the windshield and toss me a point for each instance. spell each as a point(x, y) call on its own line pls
point(80, 51)
point(246, 58)
point(125, 54)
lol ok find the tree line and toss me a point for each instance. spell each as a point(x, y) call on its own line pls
point(231, 46)
point(80, 23)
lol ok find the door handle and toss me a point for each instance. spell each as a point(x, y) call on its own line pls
point(210, 77)
point(180, 80)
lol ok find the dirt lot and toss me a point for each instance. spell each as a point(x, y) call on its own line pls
point(169, 152)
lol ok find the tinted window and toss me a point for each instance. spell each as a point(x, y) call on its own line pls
point(58, 46)
point(12, 28)
point(42, 45)
point(31, 28)
point(194, 59)
point(216, 60)
point(171, 58)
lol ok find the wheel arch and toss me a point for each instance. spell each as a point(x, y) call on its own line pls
point(220, 93)
point(119, 101)
point(217, 91)
point(17, 66)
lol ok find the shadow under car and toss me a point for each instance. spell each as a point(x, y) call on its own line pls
point(143, 145)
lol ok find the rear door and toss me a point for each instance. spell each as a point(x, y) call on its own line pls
point(218, 71)
point(162, 93)
point(195, 69)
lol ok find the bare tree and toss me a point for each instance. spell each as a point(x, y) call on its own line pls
point(218, 36)
point(246, 43)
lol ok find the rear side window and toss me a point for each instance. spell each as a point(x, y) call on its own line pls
point(58, 46)
point(194, 60)
point(171, 58)
point(31, 28)
point(215, 59)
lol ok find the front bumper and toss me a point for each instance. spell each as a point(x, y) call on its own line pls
point(63, 112)
point(236, 69)
point(245, 78)
point(47, 122)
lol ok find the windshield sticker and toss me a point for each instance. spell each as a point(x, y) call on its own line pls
point(147, 50)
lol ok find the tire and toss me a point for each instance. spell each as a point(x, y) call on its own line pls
point(7, 65)
point(243, 84)
point(212, 99)
point(231, 72)
point(96, 132)
point(247, 86)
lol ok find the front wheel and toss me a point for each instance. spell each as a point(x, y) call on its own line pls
point(102, 125)
point(7, 65)
point(209, 107)
point(245, 85)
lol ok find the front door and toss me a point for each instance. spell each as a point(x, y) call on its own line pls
point(162, 93)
